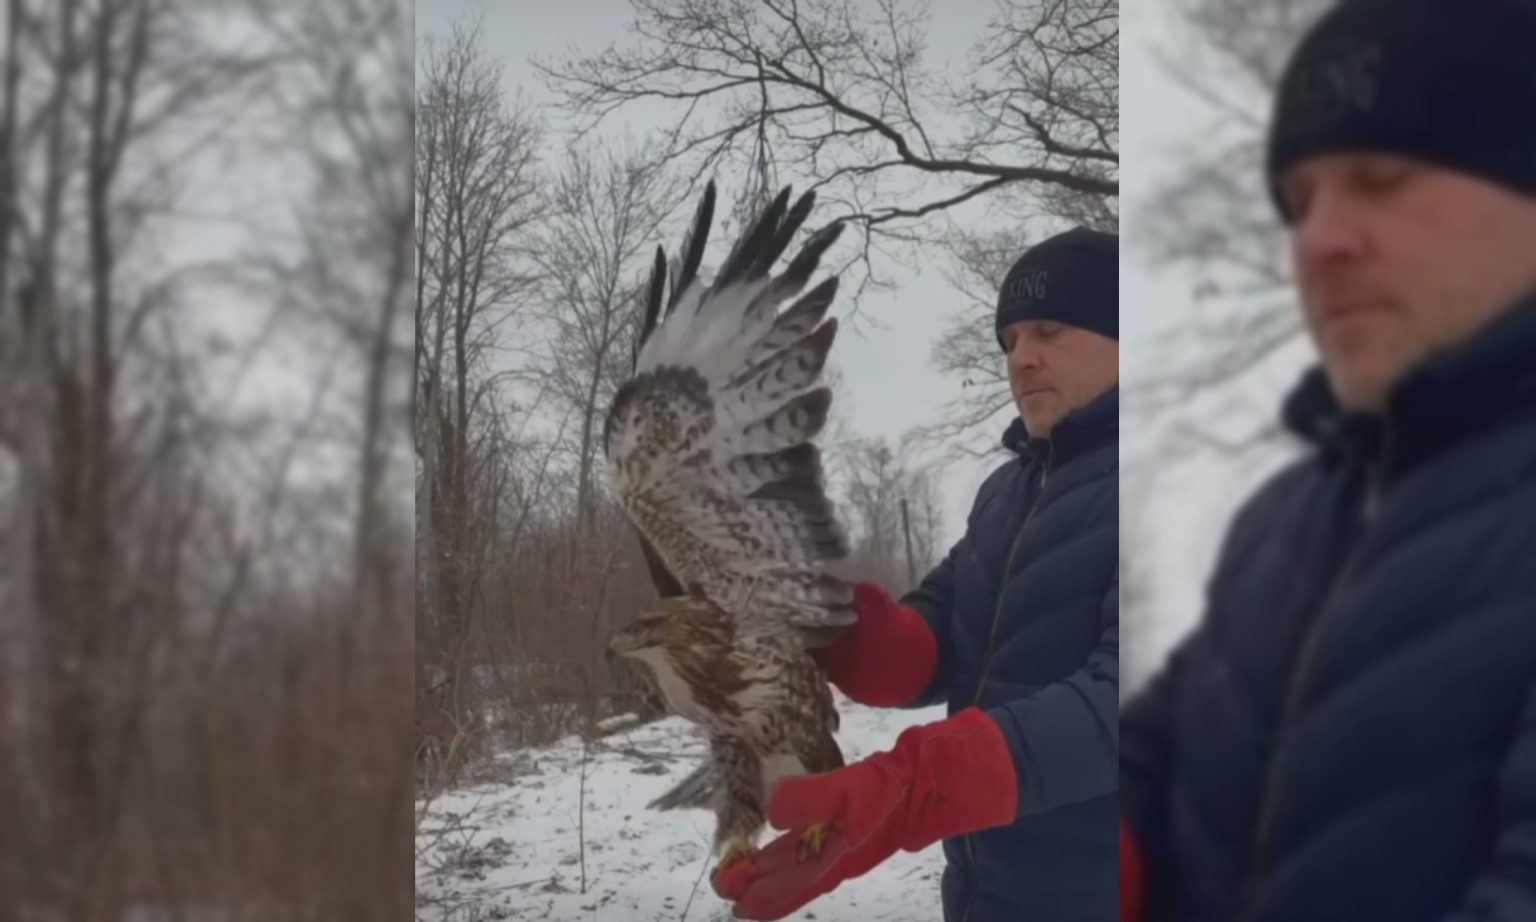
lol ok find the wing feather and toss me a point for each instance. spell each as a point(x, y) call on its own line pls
point(791, 423)
point(789, 370)
point(711, 443)
point(653, 298)
point(693, 244)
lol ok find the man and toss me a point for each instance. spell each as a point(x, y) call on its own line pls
point(1018, 630)
point(1350, 734)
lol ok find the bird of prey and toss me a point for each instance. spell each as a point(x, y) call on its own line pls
point(710, 448)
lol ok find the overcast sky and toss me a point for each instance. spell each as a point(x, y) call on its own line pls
point(1174, 511)
point(888, 382)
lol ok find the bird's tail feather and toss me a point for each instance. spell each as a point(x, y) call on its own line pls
point(694, 791)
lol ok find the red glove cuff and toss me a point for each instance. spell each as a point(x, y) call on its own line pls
point(962, 777)
point(944, 778)
point(887, 658)
point(941, 779)
point(1132, 876)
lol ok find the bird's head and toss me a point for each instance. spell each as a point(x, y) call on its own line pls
point(648, 632)
point(683, 621)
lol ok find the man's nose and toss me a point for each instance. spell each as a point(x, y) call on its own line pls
point(1023, 358)
point(1329, 233)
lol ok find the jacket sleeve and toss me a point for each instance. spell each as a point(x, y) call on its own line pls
point(1505, 889)
point(1147, 753)
point(1147, 719)
point(934, 599)
point(1147, 750)
point(1065, 737)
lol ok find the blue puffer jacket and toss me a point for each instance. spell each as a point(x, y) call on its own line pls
point(1026, 612)
point(1350, 734)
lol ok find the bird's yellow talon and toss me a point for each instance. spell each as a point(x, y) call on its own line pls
point(813, 840)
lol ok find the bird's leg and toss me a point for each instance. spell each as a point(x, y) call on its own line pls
point(740, 809)
point(737, 831)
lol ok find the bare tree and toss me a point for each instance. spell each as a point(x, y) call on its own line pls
point(887, 500)
point(608, 207)
point(135, 530)
point(925, 519)
point(477, 197)
point(349, 283)
point(347, 270)
point(15, 13)
point(609, 203)
point(968, 350)
point(103, 102)
point(840, 93)
point(1214, 217)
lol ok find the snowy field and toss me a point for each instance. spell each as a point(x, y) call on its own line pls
point(514, 849)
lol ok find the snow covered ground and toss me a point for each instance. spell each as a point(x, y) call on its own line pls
point(513, 849)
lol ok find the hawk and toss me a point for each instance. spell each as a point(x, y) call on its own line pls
point(710, 449)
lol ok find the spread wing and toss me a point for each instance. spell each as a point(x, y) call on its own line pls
point(710, 444)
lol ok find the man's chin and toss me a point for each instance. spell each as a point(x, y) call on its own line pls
point(1039, 425)
point(1364, 383)
point(1359, 393)
point(1040, 412)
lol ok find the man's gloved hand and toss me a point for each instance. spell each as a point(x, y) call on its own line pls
point(941, 779)
point(887, 658)
point(1132, 876)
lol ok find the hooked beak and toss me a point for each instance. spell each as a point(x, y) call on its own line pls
point(621, 645)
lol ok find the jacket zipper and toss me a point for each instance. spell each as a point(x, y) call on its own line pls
point(1297, 682)
point(997, 614)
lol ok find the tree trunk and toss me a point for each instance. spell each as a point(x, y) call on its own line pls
point(584, 502)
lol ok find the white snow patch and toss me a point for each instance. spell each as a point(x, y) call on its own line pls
point(514, 851)
point(617, 722)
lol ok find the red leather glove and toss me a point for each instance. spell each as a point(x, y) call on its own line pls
point(1132, 876)
point(941, 779)
point(887, 658)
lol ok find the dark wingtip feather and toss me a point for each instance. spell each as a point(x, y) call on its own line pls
point(759, 235)
point(693, 244)
point(784, 233)
point(812, 305)
point(805, 262)
point(652, 302)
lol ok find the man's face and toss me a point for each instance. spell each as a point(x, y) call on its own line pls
point(1398, 260)
point(1055, 368)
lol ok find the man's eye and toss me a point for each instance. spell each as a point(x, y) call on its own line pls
point(1377, 177)
point(1048, 330)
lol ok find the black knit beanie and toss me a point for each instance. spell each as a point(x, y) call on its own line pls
point(1073, 278)
point(1449, 82)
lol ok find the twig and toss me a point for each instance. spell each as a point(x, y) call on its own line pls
point(906, 528)
point(581, 815)
point(444, 863)
point(473, 896)
point(694, 892)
